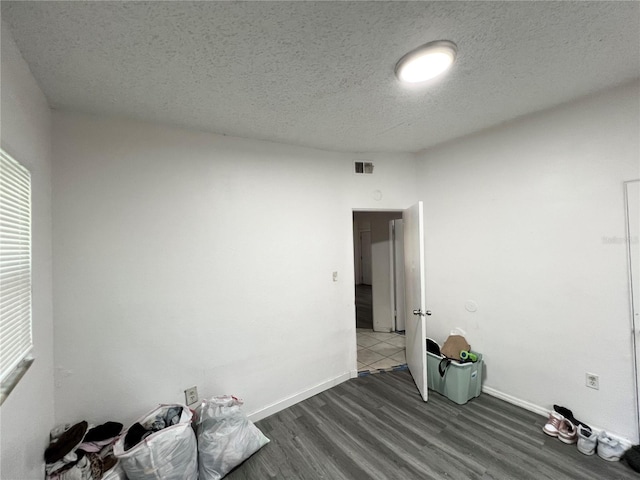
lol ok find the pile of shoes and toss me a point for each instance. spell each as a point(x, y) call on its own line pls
point(563, 425)
point(81, 451)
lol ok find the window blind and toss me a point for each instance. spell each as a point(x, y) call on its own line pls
point(15, 264)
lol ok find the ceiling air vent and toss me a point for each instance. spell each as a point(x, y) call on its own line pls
point(364, 167)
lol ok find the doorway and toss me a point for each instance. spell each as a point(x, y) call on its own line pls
point(380, 346)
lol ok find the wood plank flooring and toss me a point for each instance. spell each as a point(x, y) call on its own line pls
point(377, 427)
point(364, 306)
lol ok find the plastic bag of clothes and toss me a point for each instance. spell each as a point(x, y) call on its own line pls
point(161, 445)
point(115, 473)
point(226, 437)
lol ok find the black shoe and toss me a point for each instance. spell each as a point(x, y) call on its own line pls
point(568, 414)
point(632, 456)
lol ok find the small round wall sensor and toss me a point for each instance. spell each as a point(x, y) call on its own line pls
point(377, 195)
point(471, 306)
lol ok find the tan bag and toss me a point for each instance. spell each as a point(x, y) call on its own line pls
point(453, 346)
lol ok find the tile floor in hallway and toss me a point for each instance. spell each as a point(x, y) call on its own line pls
point(379, 351)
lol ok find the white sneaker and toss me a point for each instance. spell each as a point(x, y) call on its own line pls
point(587, 440)
point(608, 448)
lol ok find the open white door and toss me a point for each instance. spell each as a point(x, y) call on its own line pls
point(632, 200)
point(415, 309)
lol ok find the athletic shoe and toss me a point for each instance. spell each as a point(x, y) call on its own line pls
point(553, 424)
point(567, 433)
point(568, 414)
point(608, 448)
point(632, 456)
point(587, 440)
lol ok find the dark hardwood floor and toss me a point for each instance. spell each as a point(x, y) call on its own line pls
point(377, 427)
point(364, 306)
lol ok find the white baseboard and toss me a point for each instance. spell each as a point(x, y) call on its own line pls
point(298, 397)
point(544, 412)
point(532, 407)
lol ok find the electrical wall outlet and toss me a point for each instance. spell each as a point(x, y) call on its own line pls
point(191, 395)
point(593, 381)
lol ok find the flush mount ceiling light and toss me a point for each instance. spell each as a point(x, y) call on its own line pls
point(426, 62)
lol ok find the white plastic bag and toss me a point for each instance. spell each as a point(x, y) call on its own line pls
point(168, 454)
point(226, 437)
point(115, 473)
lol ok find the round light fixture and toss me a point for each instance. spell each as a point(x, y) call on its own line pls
point(426, 62)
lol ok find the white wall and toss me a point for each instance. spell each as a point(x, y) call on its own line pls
point(186, 258)
point(27, 415)
point(515, 221)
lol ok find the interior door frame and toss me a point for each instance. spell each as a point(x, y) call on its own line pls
point(396, 255)
point(354, 372)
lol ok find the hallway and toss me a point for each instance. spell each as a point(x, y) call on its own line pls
point(376, 350)
point(380, 351)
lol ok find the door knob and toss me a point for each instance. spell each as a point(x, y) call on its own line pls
point(419, 313)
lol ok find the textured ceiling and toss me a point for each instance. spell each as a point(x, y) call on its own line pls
point(320, 74)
